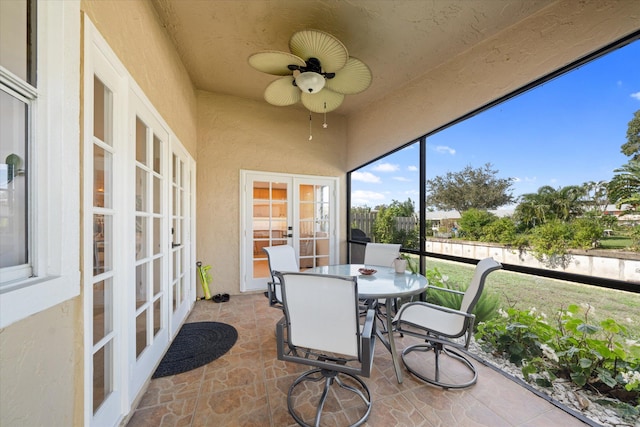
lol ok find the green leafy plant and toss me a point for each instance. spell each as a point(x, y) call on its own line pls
point(413, 264)
point(598, 356)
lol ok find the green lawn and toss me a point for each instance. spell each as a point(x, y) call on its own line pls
point(549, 295)
point(615, 242)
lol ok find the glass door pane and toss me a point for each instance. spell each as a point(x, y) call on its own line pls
point(270, 223)
point(148, 220)
point(104, 332)
point(314, 224)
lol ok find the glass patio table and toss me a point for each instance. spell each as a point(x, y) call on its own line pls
point(384, 284)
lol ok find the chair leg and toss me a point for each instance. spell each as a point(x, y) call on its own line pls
point(329, 378)
point(438, 349)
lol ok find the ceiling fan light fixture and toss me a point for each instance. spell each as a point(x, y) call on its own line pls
point(310, 82)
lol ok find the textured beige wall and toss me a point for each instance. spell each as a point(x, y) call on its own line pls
point(549, 40)
point(40, 358)
point(133, 32)
point(235, 134)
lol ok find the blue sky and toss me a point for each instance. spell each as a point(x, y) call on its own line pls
point(565, 132)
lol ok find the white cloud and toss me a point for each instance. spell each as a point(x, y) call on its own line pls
point(401, 179)
point(385, 167)
point(525, 179)
point(444, 149)
point(369, 198)
point(636, 95)
point(412, 168)
point(365, 177)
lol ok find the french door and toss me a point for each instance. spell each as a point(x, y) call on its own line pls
point(182, 273)
point(138, 273)
point(148, 263)
point(282, 209)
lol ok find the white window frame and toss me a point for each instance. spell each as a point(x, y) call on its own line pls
point(54, 194)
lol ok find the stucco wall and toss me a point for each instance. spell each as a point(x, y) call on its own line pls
point(41, 369)
point(624, 267)
point(134, 33)
point(235, 134)
point(554, 37)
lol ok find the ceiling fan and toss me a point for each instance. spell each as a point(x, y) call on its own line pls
point(318, 71)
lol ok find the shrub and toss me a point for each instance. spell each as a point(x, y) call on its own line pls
point(473, 221)
point(502, 230)
point(596, 356)
point(586, 233)
point(635, 238)
point(550, 242)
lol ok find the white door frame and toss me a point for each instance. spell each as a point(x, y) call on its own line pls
point(128, 374)
point(246, 234)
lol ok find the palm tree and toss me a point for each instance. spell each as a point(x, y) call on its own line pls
point(548, 204)
point(624, 188)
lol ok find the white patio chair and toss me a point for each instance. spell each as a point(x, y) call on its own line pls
point(438, 326)
point(320, 328)
point(280, 258)
point(381, 254)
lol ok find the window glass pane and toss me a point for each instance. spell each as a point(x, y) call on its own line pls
point(141, 237)
point(17, 44)
point(102, 309)
point(141, 332)
point(141, 284)
point(102, 110)
point(157, 311)
point(102, 374)
point(157, 248)
point(157, 154)
point(384, 198)
point(101, 178)
point(279, 191)
point(141, 190)
point(157, 276)
point(13, 181)
point(141, 141)
point(102, 243)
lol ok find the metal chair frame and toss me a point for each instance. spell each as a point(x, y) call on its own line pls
point(439, 337)
point(328, 366)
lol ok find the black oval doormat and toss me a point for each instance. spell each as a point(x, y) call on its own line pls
point(195, 345)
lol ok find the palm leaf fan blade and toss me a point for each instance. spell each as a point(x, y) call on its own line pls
point(354, 78)
point(330, 51)
point(282, 92)
point(322, 102)
point(275, 62)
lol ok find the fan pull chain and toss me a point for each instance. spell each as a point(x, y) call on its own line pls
point(310, 136)
point(325, 125)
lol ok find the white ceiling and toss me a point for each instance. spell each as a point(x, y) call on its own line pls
point(398, 40)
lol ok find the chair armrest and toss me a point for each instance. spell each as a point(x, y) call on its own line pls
point(369, 326)
point(438, 288)
point(368, 342)
point(432, 306)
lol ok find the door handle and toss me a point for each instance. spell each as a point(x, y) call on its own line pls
point(175, 245)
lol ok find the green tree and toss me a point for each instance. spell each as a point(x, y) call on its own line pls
point(596, 197)
point(624, 187)
point(473, 221)
point(632, 146)
point(548, 204)
point(586, 232)
point(550, 242)
point(385, 229)
point(470, 188)
point(502, 230)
